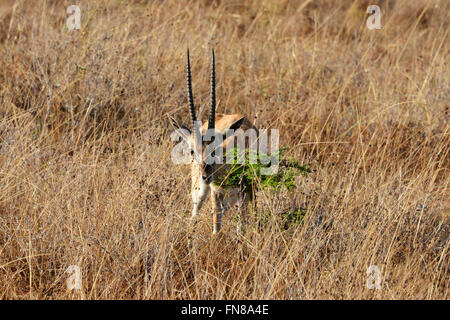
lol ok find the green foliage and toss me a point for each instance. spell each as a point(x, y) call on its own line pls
point(249, 172)
point(295, 217)
point(287, 219)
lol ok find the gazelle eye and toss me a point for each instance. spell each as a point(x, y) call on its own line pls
point(192, 152)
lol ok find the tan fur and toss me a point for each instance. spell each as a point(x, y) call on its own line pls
point(224, 121)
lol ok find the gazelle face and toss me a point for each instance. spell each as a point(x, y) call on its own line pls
point(202, 162)
point(208, 157)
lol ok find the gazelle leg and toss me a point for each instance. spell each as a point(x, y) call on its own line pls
point(243, 212)
point(199, 194)
point(217, 207)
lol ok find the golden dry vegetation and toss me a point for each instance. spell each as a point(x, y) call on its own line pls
point(86, 176)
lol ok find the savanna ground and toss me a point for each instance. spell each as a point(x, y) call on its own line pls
point(86, 176)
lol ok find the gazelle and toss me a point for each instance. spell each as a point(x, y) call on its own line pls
point(205, 169)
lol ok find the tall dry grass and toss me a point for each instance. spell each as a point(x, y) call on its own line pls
point(86, 176)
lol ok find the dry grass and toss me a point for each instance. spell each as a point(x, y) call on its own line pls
point(86, 177)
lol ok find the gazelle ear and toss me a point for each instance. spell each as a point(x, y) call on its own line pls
point(184, 131)
point(176, 125)
point(237, 124)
